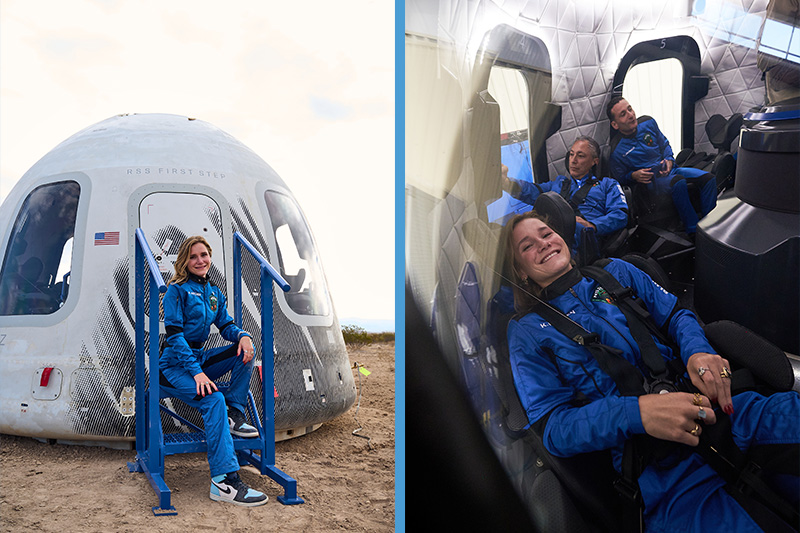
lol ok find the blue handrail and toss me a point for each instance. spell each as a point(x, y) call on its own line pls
point(150, 445)
point(149, 453)
point(268, 274)
point(152, 265)
point(274, 274)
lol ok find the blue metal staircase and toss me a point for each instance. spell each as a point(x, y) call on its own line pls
point(152, 444)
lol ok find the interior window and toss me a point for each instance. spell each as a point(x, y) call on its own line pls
point(662, 100)
point(297, 257)
point(35, 276)
point(509, 89)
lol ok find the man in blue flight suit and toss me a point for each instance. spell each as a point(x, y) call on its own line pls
point(643, 155)
point(599, 203)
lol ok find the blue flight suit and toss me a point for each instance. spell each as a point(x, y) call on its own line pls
point(604, 206)
point(189, 310)
point(688, 496)
point(646, 148)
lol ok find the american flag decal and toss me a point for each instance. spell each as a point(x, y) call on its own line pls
point(106, 238)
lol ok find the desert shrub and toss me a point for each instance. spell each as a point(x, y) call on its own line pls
point(385, 336)
point(355, 335)
point(358, 336)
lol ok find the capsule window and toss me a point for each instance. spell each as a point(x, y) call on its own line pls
point(509, 89)
point(663, 100)
point(36, 269)
point(297, 257)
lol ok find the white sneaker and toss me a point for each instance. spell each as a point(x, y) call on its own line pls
point(233, 490)
point(239, 426)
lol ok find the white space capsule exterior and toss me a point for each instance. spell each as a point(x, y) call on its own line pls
point(66, 281)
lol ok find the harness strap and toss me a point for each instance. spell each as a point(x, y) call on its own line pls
point(637, 316)
point(566, 187)
point(716, 441)
point(577, 199)
point(742, 475)
point(628, 486)
point(628, 378)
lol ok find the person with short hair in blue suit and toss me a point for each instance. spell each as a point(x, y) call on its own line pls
point(643, 155)
point(191, 305)
point(600, 211)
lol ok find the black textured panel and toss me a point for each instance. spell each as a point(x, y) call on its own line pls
point(254, 237)
point(106, 368)
point(319, 349)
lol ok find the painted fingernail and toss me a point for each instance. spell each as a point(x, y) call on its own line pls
point(728, 409)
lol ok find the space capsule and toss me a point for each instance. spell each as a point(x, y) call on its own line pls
point(66, 283)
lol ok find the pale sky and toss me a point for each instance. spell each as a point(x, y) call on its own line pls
point(308, 86)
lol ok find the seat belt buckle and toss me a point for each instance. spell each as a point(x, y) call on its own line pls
point(628, 490)
point(660, 386)
point(584, 340)
point(750, 472)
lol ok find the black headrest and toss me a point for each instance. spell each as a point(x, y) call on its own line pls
point(560, 214)
point(722, 132)
point(604, 167)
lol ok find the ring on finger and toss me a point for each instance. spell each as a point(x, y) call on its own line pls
point(697, 399)
point(725, 373)
point(701, 413)
point(696, 431)
point(702, 370)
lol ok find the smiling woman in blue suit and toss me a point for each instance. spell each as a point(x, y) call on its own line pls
point(577, 403)
point(192, 303)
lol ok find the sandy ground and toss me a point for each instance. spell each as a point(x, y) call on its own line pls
point(346, 484)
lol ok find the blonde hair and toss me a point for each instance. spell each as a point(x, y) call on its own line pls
point(181, 273)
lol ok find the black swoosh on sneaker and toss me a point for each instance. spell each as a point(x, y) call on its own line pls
point(226, 491)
